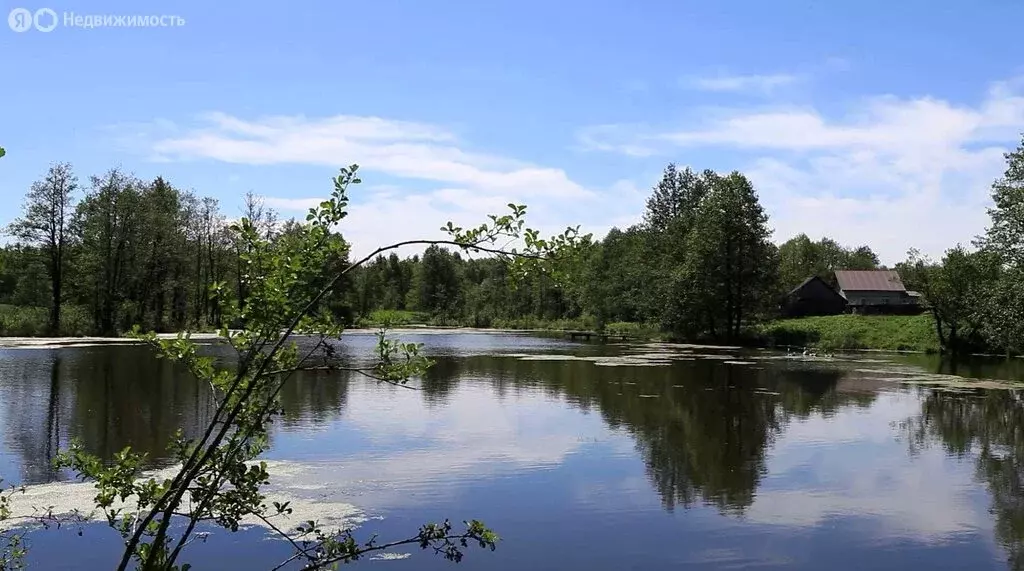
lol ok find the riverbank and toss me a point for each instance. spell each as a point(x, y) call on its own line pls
point(399, 318)
point(24, 327)
point(915, 333)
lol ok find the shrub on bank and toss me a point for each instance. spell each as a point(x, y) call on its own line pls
point(28, 321)
point(631, 329)
point(392, 318)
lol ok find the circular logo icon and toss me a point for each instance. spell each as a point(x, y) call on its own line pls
point(20, 19)
point(45, 19)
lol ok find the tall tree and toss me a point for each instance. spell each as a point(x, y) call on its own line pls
point(439, 287)
point(730, 273)
point(264, 220)
point(45, 222)
point(799, 259)
point(1006, 233)
point(107, 221)
point(674, 200)
point(1004, 323)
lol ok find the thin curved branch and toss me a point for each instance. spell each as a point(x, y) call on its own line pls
point(331, 368)
point(166, 503)
point(299, 550)
point(384, 546)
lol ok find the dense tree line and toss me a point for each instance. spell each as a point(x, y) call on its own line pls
point(700, 264)
point(123, 251)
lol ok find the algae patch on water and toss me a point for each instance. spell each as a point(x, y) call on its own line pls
point(949, 382)
point(639, 360)
point(645, 355)
point(302, 486)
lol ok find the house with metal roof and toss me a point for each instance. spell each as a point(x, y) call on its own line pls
point(876, 291)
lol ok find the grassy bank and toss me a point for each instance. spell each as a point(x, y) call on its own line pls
point(831, 333)
point(20, 321)
point(393, 318)
point(633, 330)
point(845, 332)
point(399, 318)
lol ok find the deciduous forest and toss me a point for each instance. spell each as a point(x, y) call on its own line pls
point(103, 255)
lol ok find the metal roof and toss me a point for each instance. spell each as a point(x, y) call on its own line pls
point(869, 280)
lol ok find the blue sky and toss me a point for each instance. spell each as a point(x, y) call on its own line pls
point(872, 122)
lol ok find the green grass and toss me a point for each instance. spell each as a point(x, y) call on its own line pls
point(393, 318)
point(586, 323)
point(580, 324)
point(399, 318)
point(846, 332)
point(19, 321)
point(635, 330)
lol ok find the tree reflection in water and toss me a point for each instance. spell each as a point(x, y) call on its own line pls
point(986, 427)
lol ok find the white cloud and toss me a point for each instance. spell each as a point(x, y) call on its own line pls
point(385, 219)
point(742, 83)
point(894, 173)
point(398, 148)
point(617, 139)
point(461, 186)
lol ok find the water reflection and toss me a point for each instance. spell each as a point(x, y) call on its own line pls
point(799, 452)
point(703, 429)
point(118, 396)
point(986, 427)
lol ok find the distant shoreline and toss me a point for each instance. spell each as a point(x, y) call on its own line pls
point(65, 341)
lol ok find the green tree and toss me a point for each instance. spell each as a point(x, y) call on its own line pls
point(956, 291)
point(673, 203)
point(801, 258)
point(861, 258)
point(264, 221)
point(798, 260)
point(620, 282)
point(730, 273)
point(1003, 312)
point(107, 221)
point(159, 265)
point(1005, 235)
point(45, 222)
point(439, 285)
point(1005, 238)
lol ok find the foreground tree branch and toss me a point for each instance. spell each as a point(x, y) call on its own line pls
point(288, 280)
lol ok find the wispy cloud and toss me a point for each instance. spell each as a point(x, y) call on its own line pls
point(622, 139)
point(445, 180)
point(742, 83)
point(398, 148)
point(894, 173)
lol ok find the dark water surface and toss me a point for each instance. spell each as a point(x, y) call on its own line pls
point(668, 458)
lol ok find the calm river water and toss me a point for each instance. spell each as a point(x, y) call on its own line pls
point(581, 456)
